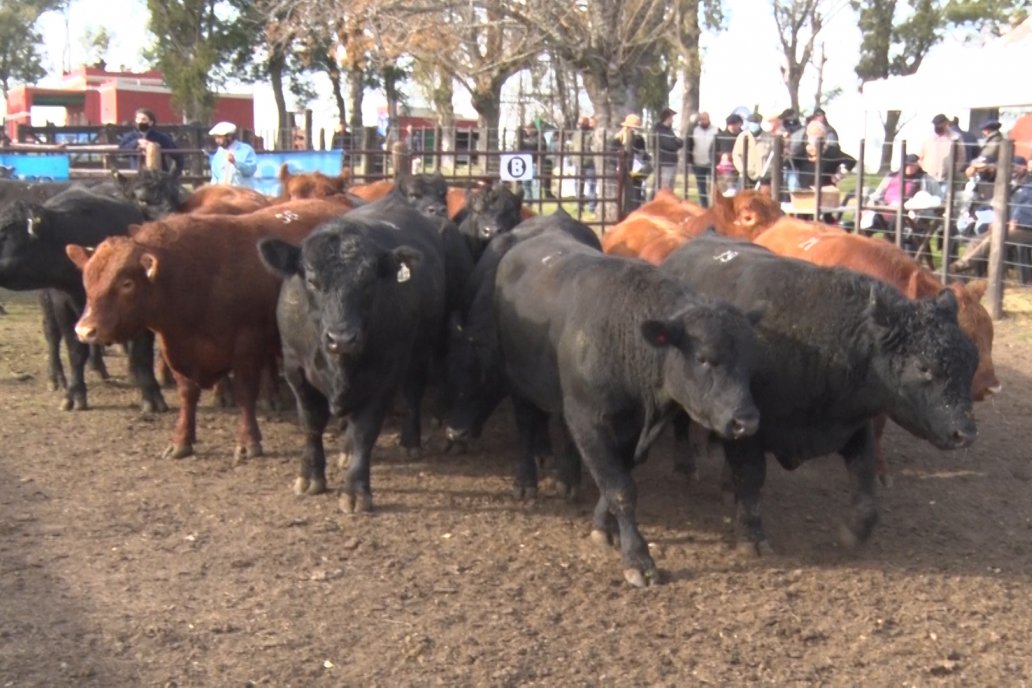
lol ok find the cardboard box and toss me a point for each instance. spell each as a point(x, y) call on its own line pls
point(805, 200)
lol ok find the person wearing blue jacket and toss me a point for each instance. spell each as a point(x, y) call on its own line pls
point(234, 162)
point(145, 133)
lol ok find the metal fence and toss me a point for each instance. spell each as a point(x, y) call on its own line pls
point(594, 178)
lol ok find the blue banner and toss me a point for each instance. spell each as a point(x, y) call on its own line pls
point(266, 177)
point(38, 167)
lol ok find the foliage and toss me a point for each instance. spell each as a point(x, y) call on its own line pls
point(20, 42)
point(196, 40)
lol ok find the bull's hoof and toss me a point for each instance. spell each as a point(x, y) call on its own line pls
point(242, 453)
point(604, 539)
point(886, 480)
point(568, 492)
point(754, 550)
point(74, 404)
point(58, 383)
point(154, 405)
point(101, 372)
point(306, 487)
point(343, 460)
point(177, 451)
point(413, 453)
point(645, 577)
point(525, 493)
point(356, 504)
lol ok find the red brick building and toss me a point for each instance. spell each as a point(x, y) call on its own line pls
point(93, 96)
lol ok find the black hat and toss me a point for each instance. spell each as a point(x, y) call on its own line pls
point(666, 112)
point(911, 159)
point(733, 118)
point(1019, 161)
point(755, 117)
point(818, 111)
point(939, 119)
point(991, 123)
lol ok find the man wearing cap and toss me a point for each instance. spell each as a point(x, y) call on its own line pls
point(752, 153)
point(992, 138)
point(234, 162)
point(669, 145)
point(935, 152)
point(724, 146)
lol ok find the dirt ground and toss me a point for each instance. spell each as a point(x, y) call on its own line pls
point(118, 568)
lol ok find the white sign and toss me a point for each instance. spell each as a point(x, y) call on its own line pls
point(517, 167)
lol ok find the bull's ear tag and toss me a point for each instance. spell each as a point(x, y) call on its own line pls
point(32, 226)
point(726, 256)
point(404, 274)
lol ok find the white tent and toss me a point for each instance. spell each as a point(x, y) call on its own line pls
point(955, 79)
point(963, 77)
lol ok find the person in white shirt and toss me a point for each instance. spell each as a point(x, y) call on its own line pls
point(700, 153)
point(234, 162)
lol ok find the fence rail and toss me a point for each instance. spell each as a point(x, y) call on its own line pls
point(593, 179)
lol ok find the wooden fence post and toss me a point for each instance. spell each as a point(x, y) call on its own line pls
point(998, 229)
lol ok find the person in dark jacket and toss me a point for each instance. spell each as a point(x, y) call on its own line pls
point(669, 146)
point(146, 134)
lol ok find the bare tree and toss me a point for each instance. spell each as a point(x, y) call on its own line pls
point(799, 22)
point(684, 38)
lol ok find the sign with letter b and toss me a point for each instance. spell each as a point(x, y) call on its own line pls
point(517, 167)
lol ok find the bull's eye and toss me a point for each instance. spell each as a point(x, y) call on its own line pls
point(127, 285)
point(704, 360)
point(924, 371)
point(312, 282)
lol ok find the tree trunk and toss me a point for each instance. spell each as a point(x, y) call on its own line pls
point(276, 62)
point(892, 118)
point(613, 96)
point(390, 87)
point(356, 89)
point(333, 71)
point(487, 101)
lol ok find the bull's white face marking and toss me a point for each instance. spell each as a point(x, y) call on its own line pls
point(385, 223)
point(287, 216)
point(726, 256)
point(809, 243)
point(404, 274)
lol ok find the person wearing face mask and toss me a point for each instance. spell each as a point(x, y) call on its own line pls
point(752, 153)
point(700, 154)
point(234, 162)
point(145, 135)
point(935, 152)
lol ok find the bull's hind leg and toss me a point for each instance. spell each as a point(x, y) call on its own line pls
point(412, 390)
point(531, 422)
point(78, 354)
point(141, 371)
point(748, 473)
point(186, 424)
point(610, 465)
point(568, 464)
point(363, 428)
point(246, 382)
point(52, 335)
point(314, 411)
point(863, 515)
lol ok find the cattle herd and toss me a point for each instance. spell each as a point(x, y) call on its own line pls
point(748, 332)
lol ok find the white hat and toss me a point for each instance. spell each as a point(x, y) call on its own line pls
point(223, 129)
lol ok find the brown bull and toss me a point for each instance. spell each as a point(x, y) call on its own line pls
point(222, 199)
point(197, 281)
point(744, 216)
point(310, 184)
point(829, 246)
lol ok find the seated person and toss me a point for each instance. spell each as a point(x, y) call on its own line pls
point(891, 191)
point(1019, 226)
